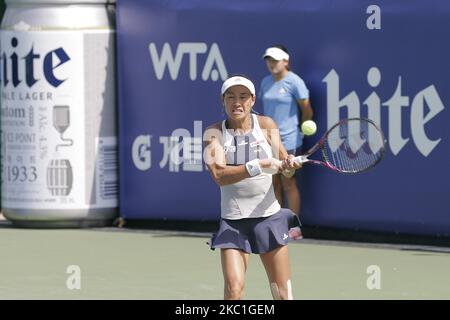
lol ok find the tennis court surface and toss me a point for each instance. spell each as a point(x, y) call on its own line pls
point(115, 263)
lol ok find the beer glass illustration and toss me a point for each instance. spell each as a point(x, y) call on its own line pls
point(61, 121)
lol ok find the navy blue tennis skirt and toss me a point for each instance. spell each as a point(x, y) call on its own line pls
point(257, 235)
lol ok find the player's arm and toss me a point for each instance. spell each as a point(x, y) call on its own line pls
point(306, 109)
point(272, 133)
point(214, 156)
point(222, 174)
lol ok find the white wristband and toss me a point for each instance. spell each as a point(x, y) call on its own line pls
point(253, 167)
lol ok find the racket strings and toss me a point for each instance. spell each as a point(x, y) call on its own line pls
point(341, 150)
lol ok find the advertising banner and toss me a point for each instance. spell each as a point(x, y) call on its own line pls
point(387, 62)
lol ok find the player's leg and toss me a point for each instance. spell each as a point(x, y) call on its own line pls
point(276, 263)
point(292, 192)
point(234, 266)
point(278, 188)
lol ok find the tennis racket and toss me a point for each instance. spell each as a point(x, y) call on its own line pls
point(350, 146)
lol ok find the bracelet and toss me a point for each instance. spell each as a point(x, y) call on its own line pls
point(253, 167)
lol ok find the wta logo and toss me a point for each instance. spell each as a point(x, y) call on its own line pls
point(213, 68)
point(17, 69)
point(425, 106)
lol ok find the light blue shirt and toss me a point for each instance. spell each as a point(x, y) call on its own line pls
point(280, 103)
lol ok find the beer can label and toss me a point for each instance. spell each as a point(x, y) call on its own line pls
point(58, 140)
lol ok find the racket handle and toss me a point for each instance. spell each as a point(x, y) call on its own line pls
point(301, 159)
point(298, 159)
point(287, 173)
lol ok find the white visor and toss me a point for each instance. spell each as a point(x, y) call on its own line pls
point(238, 81)
point(276, 53)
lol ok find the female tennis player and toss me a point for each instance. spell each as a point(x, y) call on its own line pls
point(285, 95)
point(240, 153)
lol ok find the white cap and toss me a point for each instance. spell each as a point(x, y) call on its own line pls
point(276, 53)
point(238, 81)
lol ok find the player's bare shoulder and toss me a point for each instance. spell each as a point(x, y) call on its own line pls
point(212, 140)
point(215, 126)
point(269, 128)
point(266, 122)
point(213, 131)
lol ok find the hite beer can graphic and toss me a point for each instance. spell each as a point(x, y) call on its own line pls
point(58, 113)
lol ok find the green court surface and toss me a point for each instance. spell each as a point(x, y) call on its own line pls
point(148, 264)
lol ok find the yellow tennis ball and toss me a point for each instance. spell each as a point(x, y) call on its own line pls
point(309, 127)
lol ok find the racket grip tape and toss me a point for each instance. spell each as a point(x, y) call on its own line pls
point(301, 159)
point(298, 159)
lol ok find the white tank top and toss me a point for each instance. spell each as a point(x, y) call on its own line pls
point(252, 197)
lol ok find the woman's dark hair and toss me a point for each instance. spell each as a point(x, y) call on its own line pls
point(282, 47)
point(239, 75)
point(243, 76)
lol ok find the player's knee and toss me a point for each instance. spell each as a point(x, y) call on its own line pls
point(281, 291)
point(234, 290)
